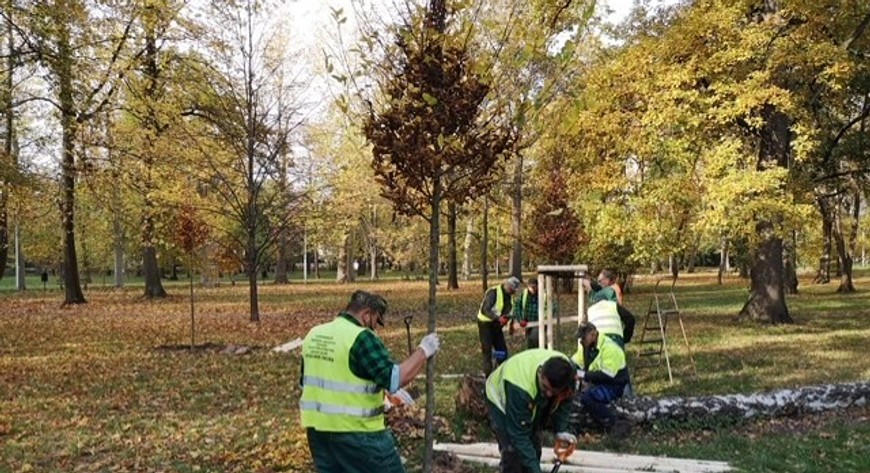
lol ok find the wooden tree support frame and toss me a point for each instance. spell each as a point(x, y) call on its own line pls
point(547, 275)
point(589, 461)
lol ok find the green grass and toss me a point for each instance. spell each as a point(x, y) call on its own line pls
point(84, 388)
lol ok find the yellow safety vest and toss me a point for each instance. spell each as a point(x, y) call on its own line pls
point(521, 370)
point(333, 398)
point(610, 357)
point(605, 316)
point(499, 304)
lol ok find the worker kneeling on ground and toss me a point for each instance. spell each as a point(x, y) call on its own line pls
point(604, 374)
point(346, 369)
point(523, 393)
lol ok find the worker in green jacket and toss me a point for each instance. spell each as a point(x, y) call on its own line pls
point(526, 310)
point(603, 372)
point(345, 370)
point(523, 394)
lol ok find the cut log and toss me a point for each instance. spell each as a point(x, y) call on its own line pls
point(589, 461)
point(289, 346)
point(471, 399)
point(776, 403)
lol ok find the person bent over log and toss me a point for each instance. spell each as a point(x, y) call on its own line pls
point(494, 314)
point(523, 394)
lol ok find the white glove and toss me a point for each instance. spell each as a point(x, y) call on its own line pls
point(430, 344)
point(581, 374)
point(567, 437)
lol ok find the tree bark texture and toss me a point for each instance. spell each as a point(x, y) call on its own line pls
point(452, 270)
point(516, 220)
point(767, 300)
point(466, 253)
point(846, 243)
point(153, 285)
point(434, 247)
point(341, 273)
point(71, 284)
point(723, 259)
point(790, 265)
point(484, 248)
point(823, 276)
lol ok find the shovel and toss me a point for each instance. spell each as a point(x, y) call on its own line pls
point(408, 319)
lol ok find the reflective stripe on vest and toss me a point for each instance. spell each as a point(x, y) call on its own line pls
point(610, 358)
point(333, 398)
point(521, 370)
point(605, 316)
point(341, 410)
point(499, 304)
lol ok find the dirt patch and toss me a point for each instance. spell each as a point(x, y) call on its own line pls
point(208, 348)
point(444, 462)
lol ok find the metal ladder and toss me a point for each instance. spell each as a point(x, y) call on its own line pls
point(653, 335)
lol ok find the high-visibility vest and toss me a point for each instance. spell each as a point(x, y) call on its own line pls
point(610, 359)
point(521, 370)
point(499, 304)
point(333, 398)
point(605, 316)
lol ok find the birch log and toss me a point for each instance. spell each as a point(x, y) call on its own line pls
point(776, 403)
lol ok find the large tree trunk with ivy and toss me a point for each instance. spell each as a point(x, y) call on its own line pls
point(767, 299)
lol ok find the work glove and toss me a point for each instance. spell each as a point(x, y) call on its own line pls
point(566, 437)
point(566, 442)
point(581, 375)
point(430, 344)
point(503, 320)
point(523, 323)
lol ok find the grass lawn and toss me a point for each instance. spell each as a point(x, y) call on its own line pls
point(89, 388)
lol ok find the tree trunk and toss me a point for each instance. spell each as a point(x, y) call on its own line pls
point(20, 270)
point(251, 260)
point(316, 263)
point(281, 264)
point(11, 156)
point(674, 261)
point(790, 265)
point(844, 249)
point(434, 246)
point(153, 285)
point(823, 276)
point(723, 259)
point(484, 247)
point(452, 277)
point(71, 284)
point(693, 257)
point(516, 220)
point(118, 245)
point(466, 254)
point(342, 271)
point(373, 246)
point(767, 300)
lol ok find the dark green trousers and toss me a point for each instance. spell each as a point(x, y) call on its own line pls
point(354, 452)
